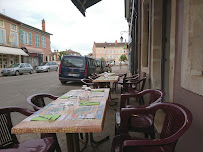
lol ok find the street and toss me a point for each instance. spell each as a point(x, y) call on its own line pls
point(15, 89)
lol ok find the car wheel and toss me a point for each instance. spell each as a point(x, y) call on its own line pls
point(56, 69)
point(63, 82)
point(48, 70)
point(17, 73)
point(31, 71)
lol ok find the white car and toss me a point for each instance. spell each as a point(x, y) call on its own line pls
point(47, 66)
point(17, 68)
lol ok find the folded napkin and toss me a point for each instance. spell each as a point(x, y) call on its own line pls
point(97, 90)
point(45, 118)
point(85, 103)
point(63, 97)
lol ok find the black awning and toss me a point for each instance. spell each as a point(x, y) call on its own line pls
point(82, 5)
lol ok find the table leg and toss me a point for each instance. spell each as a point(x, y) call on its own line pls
point(69, 140)
point(76, 143)
point(72, 142)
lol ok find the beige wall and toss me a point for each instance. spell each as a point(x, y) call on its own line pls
point(192, 56)
point(7, 28)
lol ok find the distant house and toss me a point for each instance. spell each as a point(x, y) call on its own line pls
point(71, 52)
point(10, 51)
point(109, 51)
point(36, 43)
point(20, 42)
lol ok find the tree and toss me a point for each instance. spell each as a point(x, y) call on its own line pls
point(103, 58)
point(61, 54)
point(123, 57)
point(90, 54)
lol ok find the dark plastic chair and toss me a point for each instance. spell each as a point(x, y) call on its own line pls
point(177, 121)
point(129, 82)
point(89, 83)
point(9, 142)
point(37, 102)
point(140, 123)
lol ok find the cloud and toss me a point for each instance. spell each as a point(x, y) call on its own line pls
point(103, 21)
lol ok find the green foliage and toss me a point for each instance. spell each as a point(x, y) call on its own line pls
point(123, 57)
point(103, 58)
point(61, 54)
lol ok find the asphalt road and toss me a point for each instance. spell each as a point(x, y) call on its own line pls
point(14, 90)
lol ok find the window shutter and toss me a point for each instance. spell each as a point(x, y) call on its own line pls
point(21, 36)
point(35, 40)
point(45, 42)
point(2, 36)
point(15, 42)
point(30, 38)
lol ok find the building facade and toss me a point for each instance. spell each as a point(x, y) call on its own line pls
point(166, 47)
point(10, 51)
point(109, 51)
point(36, 43)
point(33, 43)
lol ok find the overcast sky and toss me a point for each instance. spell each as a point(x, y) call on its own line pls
point(103, 22)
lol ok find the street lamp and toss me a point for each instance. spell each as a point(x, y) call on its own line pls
point(122, 35)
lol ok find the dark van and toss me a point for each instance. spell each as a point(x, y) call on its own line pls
point(75, 68)
point(102, 65)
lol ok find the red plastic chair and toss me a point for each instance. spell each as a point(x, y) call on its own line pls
point(9, 142)
point(177, 121)
point(140, 123)
point(37, 101)
point(127, 79)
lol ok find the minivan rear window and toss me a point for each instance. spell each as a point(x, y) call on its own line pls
point(73, 62)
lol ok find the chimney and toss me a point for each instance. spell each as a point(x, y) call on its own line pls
point(116, 42)
point(43, 25)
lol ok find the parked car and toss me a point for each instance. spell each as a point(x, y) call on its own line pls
point(75, 68)
point(47, 66)
point(102, 66)
point(17, 68)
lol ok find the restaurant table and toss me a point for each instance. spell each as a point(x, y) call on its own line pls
point(106, 79)
point(109, 79)
point(110, 74)
point(76, 116)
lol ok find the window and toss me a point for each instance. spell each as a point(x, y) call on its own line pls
point(101, 51)
point(13, 38)
point(37, 40)
point(110, 51)
point(13, 27)
point(27, 65)
point(3, 61)
point(2, 36)
point(1, 23)
point(77, 62)
point(43, 42)
point(30, 38)
point(25, 38)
